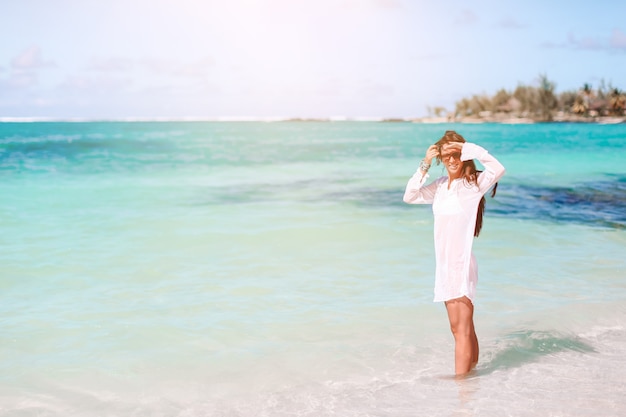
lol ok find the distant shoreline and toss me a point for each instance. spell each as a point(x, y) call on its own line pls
point(525, 120)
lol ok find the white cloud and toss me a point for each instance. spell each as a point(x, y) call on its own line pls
point(30, 59)
point(24, 69)
point(552, 45)
point(618, 40)
point(511, 23)
point(585, 43)
point(467, 17)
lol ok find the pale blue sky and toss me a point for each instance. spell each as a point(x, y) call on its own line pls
point(294, 58)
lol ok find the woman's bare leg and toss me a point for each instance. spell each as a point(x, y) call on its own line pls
point(461, 316)
point(475, 348)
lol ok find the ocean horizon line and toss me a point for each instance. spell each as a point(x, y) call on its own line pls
point(422, 120)
point(27, 119)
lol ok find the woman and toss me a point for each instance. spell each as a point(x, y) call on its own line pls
point(458, 204)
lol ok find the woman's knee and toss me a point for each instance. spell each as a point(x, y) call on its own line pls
point(459, 329)
point(461, 316)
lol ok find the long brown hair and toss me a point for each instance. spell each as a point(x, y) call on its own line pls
point(470, 174)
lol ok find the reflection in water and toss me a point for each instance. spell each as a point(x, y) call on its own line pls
point(468, 387)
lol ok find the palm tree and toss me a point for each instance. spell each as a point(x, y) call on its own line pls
point(547, 99)
point(462, 108)
point(480, 103)
point(587, 94)
point(500, 101)
point(617, 102)
point(540, 102)
point(439, 111)
point(580, 106)
point(567, 100)
point(527, 97)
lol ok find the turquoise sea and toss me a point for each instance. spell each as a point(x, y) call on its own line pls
point(272, 269)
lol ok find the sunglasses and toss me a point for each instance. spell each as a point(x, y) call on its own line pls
point(446, 156)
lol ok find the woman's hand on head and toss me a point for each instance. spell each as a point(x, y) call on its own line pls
point(452, 147)
point(431, 153)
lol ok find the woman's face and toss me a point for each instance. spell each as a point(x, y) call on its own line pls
point(451, 158)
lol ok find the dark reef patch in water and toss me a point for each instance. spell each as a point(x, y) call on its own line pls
point(599, 203)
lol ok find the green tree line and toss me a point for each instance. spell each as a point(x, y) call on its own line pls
point(541, 102)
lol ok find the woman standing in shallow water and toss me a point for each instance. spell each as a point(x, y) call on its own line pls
point(458, 204)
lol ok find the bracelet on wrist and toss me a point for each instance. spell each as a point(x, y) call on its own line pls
point(424, 166)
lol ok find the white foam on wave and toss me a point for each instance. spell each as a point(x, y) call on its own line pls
point(601, 330)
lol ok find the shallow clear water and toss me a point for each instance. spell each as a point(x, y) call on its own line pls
point(272, 269)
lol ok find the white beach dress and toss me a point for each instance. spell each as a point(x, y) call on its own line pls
point(455, 212)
